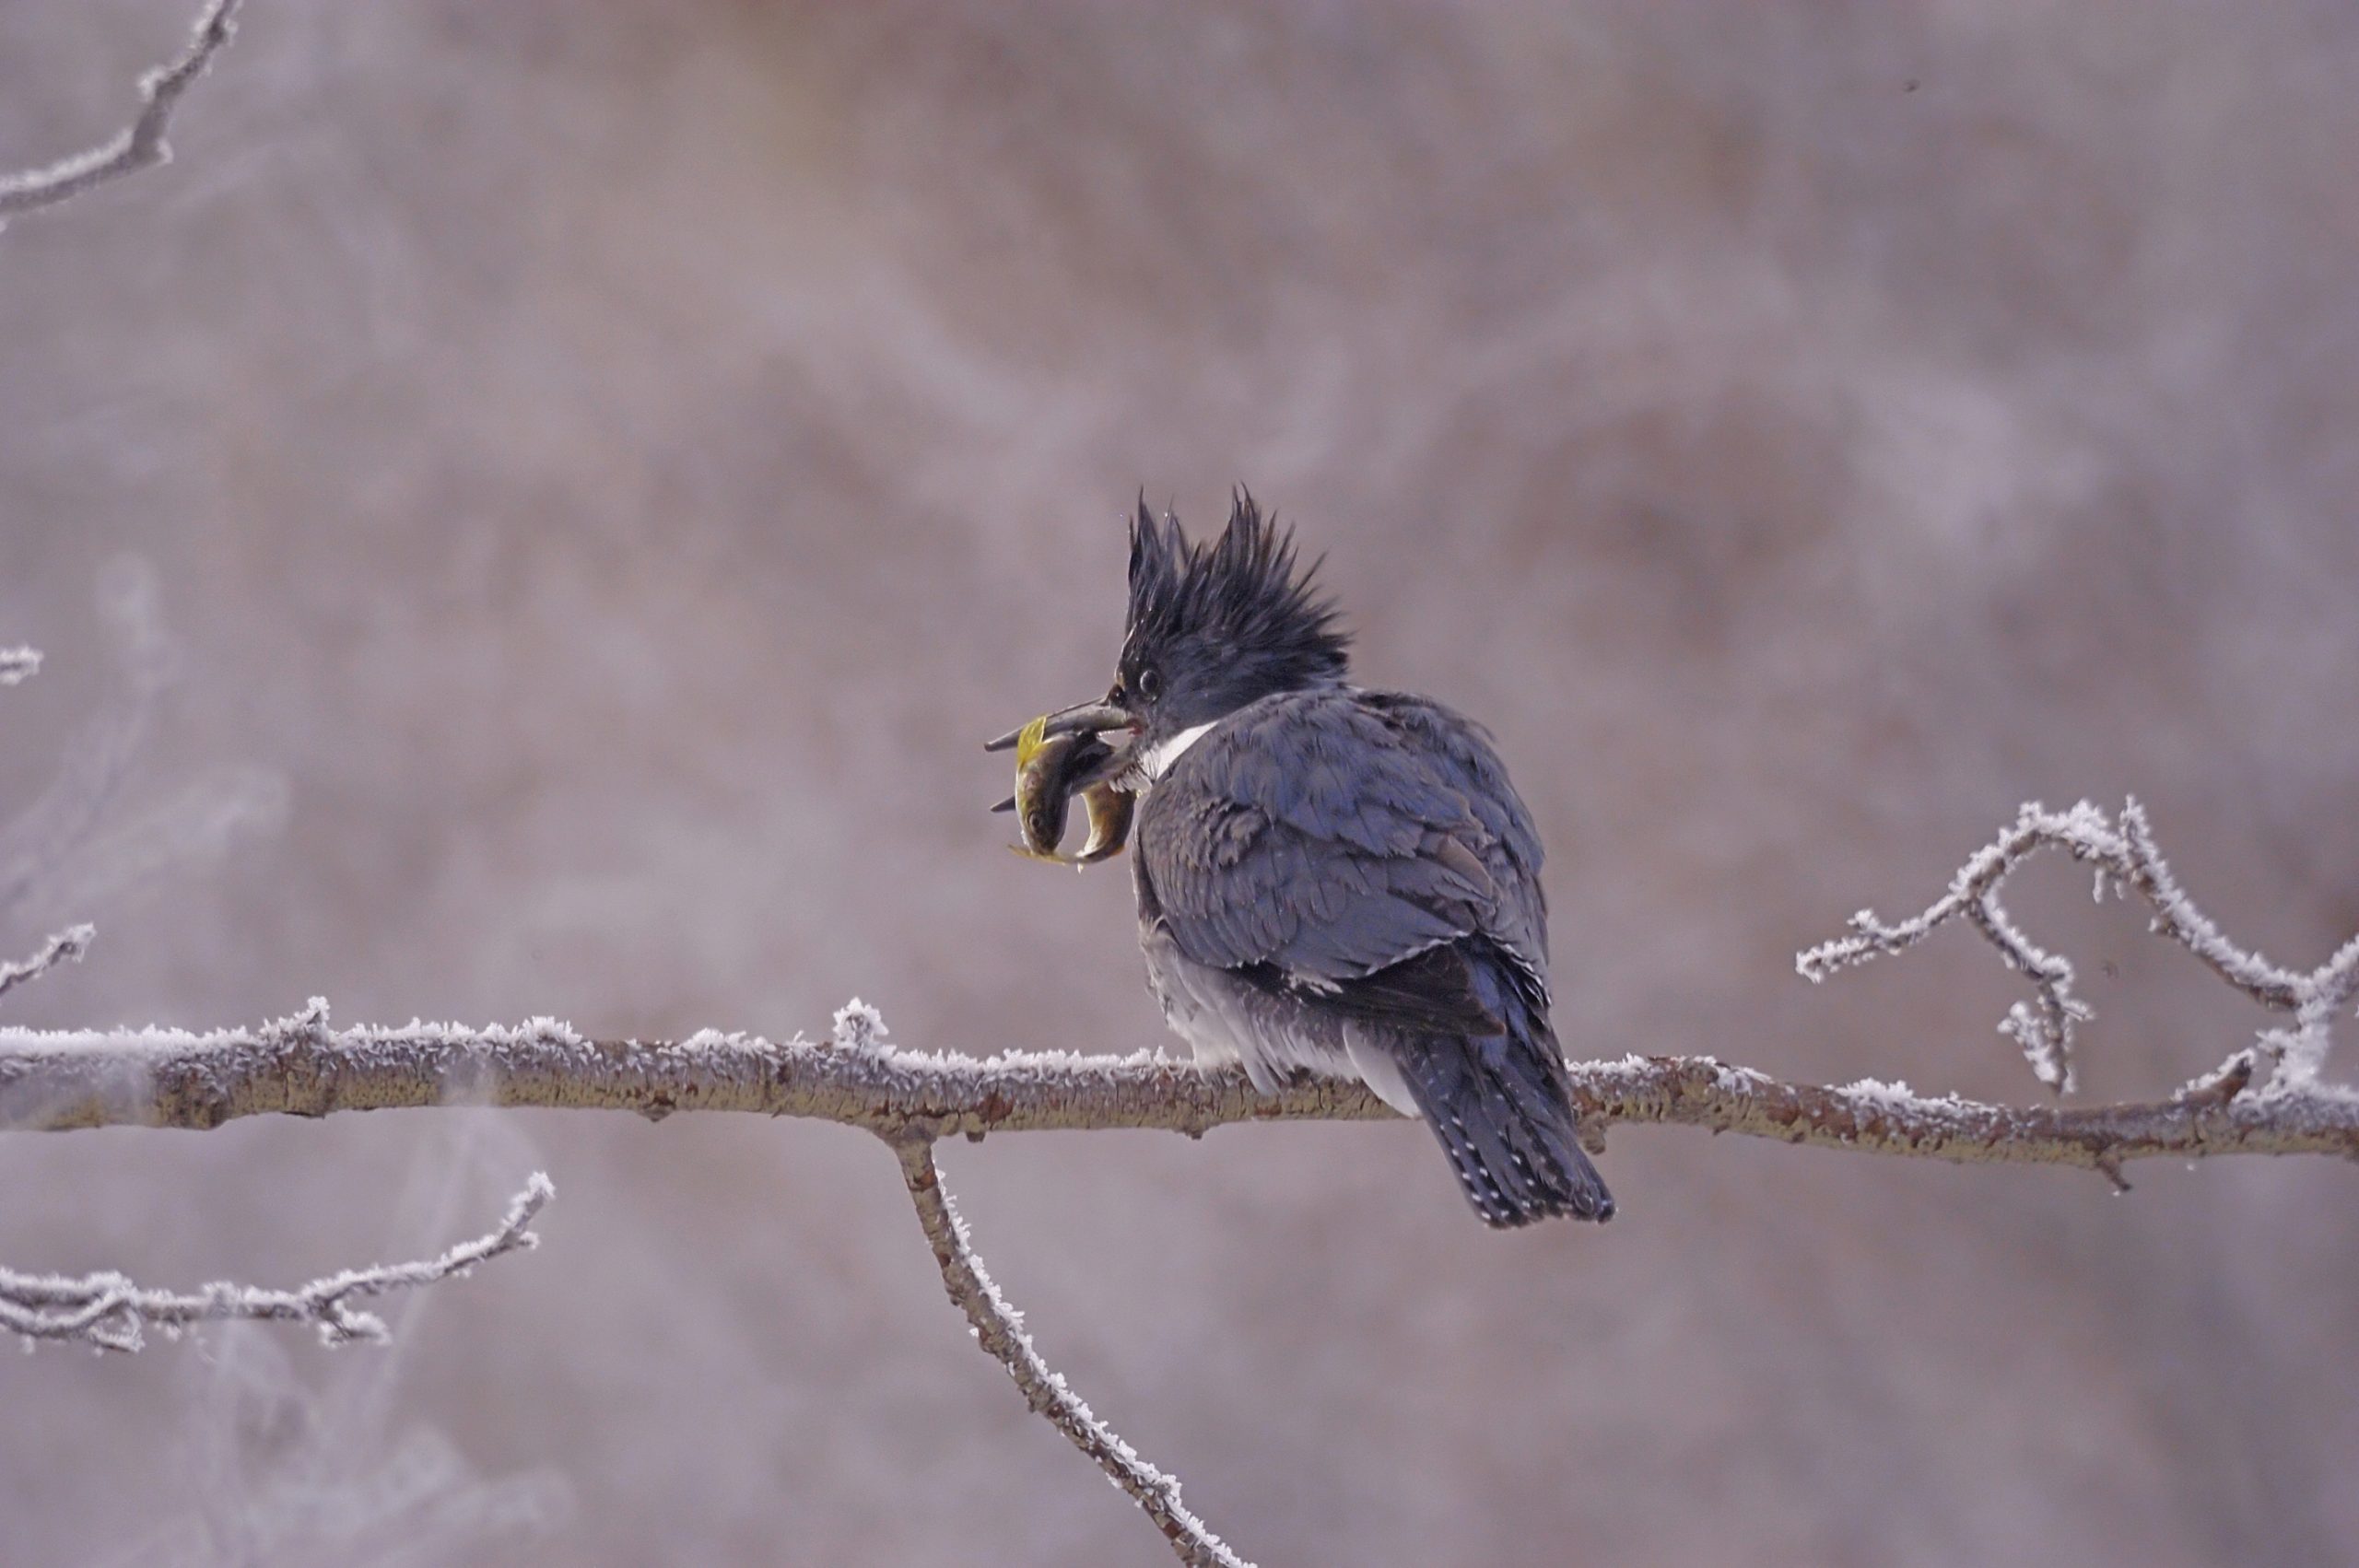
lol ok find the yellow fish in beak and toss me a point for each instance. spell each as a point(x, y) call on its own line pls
point(1046, 768)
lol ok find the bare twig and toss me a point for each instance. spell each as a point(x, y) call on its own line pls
point(108, 1311)
point(999, 1329)
point(71, 943)
point(139, 145)
point(2124, 856)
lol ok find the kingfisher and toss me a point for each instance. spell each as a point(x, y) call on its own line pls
point(1331, 878)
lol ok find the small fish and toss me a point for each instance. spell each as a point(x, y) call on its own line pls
point(1046, 767)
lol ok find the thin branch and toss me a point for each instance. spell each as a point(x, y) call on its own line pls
point(141, 144)
point(300, 1066)
point(2125, 857)
point(69, 943)
point(999, 1329)
point(109, 1312)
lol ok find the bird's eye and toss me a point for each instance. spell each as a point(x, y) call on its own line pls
point(1150, 683)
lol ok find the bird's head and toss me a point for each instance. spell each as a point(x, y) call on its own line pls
point(1213, 626)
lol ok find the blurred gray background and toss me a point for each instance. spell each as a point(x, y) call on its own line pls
point(535, 508)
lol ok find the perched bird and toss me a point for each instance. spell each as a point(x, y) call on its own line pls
point(1328, 877)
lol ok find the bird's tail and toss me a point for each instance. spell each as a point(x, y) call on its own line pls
point(1504, 1113)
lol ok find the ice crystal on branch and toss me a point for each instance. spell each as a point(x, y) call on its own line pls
point(860, 1028)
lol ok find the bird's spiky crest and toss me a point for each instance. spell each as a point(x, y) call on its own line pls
point(1239, 596)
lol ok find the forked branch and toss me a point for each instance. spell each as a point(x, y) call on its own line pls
point(2124, 858)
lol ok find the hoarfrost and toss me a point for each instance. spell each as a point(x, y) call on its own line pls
point(860, 1028)
point(107, 1311)
point(1000, 1328)
point(67, 946)
point(2124, 858)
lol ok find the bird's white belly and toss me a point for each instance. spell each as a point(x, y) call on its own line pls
point(1226, 1020)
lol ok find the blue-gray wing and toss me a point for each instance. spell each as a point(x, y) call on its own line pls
point(1362, 847)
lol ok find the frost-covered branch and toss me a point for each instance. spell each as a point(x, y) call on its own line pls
point(302, 1066)
point(2124, 858)
point(111, 1313)
point(139, 145)
point(999, 1329)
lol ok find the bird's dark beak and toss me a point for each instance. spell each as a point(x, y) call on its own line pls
point(1115, 764)
point(1094, 717)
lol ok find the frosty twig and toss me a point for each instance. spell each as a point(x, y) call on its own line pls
point(999, 1329)
point(140, 145)
point(2124, 857)
point(110, 1312)
point(62, 946)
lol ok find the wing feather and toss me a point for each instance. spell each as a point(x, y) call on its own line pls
point(1361, 846)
